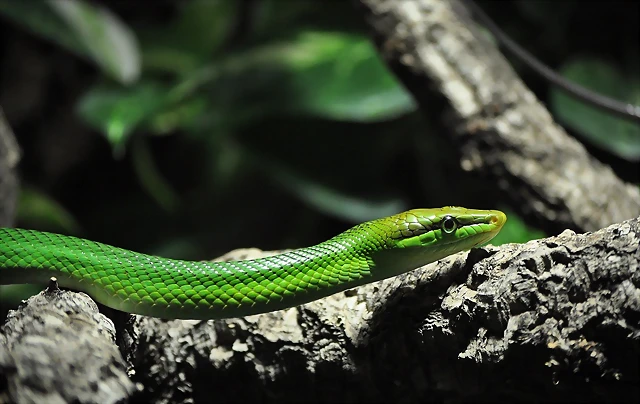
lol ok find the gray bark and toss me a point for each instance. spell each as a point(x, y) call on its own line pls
point(502, 130)
point(58, 348)
point(552, 319)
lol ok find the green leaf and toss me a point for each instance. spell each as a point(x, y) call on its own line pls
point(91, 32)
point(38, 210)
point(112, 45)
point(38, 18)
point(616, 135)
point(324, 74)
point(186, 114)
point(118, 111)
point(340, 76)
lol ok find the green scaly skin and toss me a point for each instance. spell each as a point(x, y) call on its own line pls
point(167, 288)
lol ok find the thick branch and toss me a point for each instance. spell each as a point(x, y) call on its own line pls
point(502, 130)
point(545, 320)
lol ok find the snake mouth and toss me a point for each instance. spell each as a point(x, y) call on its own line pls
point(496, 219)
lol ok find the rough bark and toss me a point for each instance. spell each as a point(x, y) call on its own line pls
point(552, 319)
point(503, 132)
point(58, 348)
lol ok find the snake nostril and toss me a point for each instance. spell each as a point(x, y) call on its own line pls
point(497, 219)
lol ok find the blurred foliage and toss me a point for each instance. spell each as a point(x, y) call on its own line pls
point(617, 135)
point(37, 209)
point(515, 230)
point(210, 125)
point(90, 31)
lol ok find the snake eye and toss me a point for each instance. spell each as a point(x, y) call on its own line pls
point(449, 224)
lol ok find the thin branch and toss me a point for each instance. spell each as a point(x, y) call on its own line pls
point(621, 109)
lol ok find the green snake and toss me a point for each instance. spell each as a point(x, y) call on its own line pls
point(177, 289)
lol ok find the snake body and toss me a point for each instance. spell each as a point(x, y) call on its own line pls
point(168, 288)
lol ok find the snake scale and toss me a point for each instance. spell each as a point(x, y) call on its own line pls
point(177, 289)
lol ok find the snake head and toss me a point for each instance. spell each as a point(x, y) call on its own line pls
point(411, 239)
point(446, 229)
